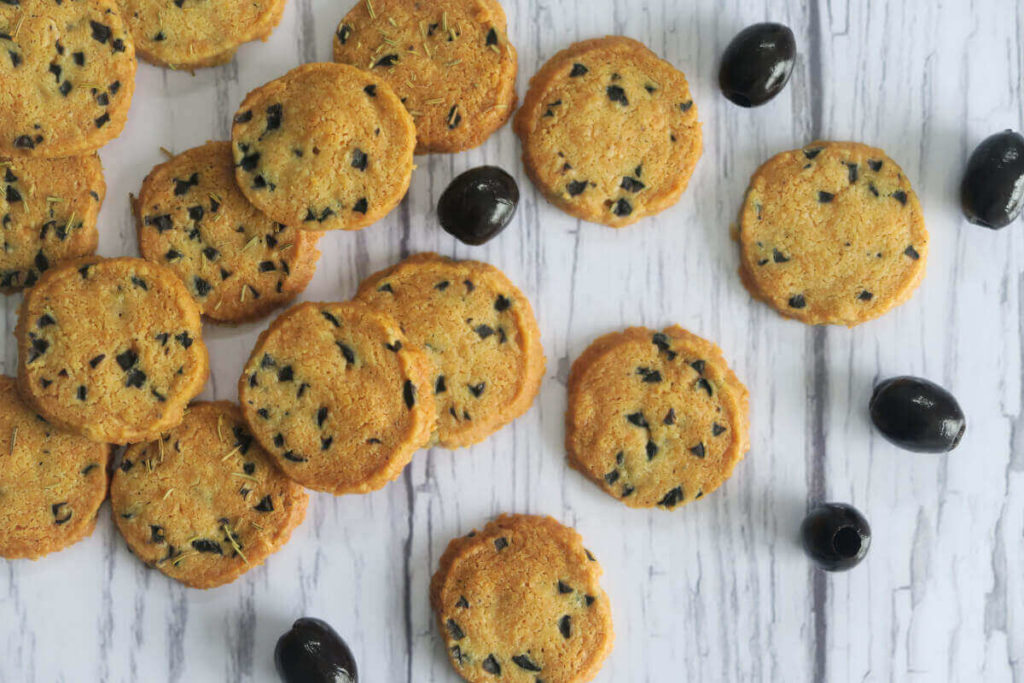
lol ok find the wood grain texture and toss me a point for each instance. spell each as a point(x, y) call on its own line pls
point(716, 591)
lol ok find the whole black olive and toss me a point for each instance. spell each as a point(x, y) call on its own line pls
point(918, 415)
point(757, 64)
point(836, 536)
point(312, 652)
point(478, 204)
point(992, 191)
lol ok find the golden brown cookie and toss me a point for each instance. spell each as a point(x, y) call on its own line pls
point(451, 63)
point(609, 131)
point(521, 601)
point(110, 348)
point(189, 34)
point(48, 210)
point(479, 332)
point(204, 503)
point(52, 483)
point(338, 396)
point(67, 74)
point(655, 418)
point(324, 147)
point(832, 234)
point(236, 262)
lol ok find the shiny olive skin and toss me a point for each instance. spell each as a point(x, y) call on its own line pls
point(478, 204)
point(757, 64)
point(917, 415)
point(312, 652)
point(992, 191)
point(836, 536)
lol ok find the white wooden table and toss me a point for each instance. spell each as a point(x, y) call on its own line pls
point(718, 590)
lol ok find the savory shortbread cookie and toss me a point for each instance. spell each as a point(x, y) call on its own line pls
point(324, 147)
point(237, 263)
point(655, 418)
point(204, 503)
point(479, 333)
point(337, 394)
point(188, 34)
point(832, 234)
point(52, 482)
point(110, 348)
point(609, 131)
point(521, 601)
point(48, 210)
point(451, 63)
point(67, 73)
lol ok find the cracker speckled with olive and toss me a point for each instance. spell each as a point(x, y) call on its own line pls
point(204, 503)
point(67, 73)
point(521, 601)
point(479, 333)
point(656, 419)
point(338, 395)
point(237, 263)
point(48, 211)
point(450, 62)
point(832, 233)
point(188, 34)
point(609, 131)
point(52, 482)
point(110, 349)
point(324, 147)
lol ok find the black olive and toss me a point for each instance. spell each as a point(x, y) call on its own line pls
point(757, 64)
point(992, 191)
point(836, 536)
point(478, 204)
point(312, 652)
point(918, 415)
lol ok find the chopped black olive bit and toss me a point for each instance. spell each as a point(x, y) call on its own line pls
point(917, 415)
point(478, 204)
point(992, 191)
point(313, 652)
point(836, 536)
point(757, 64)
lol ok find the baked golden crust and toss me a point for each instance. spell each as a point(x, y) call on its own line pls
point(110, 349)
point(832, 234)
point(237, 263)
point(655, 418)
point(204, 503)
point(339, 396)
point(52, 483)
point(521, 600)
point(189, 34)
point(609, 131)
point(479, 332)
point(48, 210)
point(66, 79)
point(451, 64)
point(324, 147)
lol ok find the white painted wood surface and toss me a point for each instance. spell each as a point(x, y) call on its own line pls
point(718, 590)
